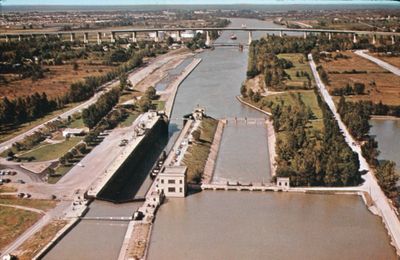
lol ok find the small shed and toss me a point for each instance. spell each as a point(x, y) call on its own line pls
point(283, 183)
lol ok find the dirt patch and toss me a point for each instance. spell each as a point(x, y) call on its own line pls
point(138, 244)
point(39, 240)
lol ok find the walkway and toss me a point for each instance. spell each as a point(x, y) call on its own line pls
point(370, 185)
point(379, 62)
point(23, 208)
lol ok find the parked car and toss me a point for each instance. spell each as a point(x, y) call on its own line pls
point(21, 181)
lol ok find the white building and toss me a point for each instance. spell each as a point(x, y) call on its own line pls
point(283, 182)
point(72, 131)
point(172, 181)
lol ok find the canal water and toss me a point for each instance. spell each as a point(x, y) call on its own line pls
point(236, 225)
point(387, 133)
point(239, 225)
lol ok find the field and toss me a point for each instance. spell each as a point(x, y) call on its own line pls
point(308, 97)
point(394, 60)
point(14, 222)
point(52, 151)
point(299, 64)
point(55, 83)
point(31, 203)
point(196, 157)
point(40, 239)
point(380, 85)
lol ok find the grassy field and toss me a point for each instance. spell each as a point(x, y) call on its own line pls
point(196, 157)
point(39, 240)
point(31, 203)
point(299, 64)
point(380, 85)
point(13, 222)
point(129, 120)
point(158, 104)
point(52, 151)
point(77, 123)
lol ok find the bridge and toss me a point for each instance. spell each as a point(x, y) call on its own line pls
point(107, 218)
point(112, 34)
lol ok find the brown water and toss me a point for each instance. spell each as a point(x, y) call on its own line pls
point(244, 225)
point(243, 154)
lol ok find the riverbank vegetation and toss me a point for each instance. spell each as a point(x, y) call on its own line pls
point(197, 153)
point(310, 148)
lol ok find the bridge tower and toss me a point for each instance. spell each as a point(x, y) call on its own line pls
point(250, 37)
point(134, 37)
point(208, 39)
point(85, 37)
point(354, 38)
point(156, 38)
point(99, 38)
point(112, 37)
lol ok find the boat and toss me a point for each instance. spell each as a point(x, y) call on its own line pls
point(233, 37)
point(244, 25)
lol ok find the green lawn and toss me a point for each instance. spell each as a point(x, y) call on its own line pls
point(295, 58)
point(60, 171)
point(77, 123)
point(52, 151)
point(129, 120)
point(197, 154)
point(158, 104)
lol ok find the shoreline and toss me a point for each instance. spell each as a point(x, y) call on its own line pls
point(384, 117)
point(271, 135)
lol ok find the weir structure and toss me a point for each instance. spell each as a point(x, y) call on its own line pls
point(132, 34)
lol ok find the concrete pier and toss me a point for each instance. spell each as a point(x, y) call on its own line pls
point(208, 39)
point(156, 37)
point(134, 36)
point(72, 37)
point(329, 36)
point(86, 37)
point(355, 38)
point(178, 36)
point(112, 37)
point(250, 37)
point(374, 39)
point(99, 38)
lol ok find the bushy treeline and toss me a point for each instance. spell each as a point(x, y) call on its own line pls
point(95, 112)
point(23, 109)
point(310, 157)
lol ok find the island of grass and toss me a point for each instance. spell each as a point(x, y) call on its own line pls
point(197, 154)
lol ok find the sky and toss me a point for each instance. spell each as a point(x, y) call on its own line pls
point(165, 2)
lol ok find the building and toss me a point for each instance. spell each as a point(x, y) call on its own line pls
point(283, 182)
point(172, 181)
point(72, 132)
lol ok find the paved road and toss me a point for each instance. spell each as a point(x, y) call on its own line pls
point(370, 184)
point(381, 63)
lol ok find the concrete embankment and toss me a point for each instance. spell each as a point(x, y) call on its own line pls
point(175, 85)
point(212, 156)
point(270, 133)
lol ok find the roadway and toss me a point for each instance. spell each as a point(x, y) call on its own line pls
point(370, 184)
point(381, 63)
point(247, 29)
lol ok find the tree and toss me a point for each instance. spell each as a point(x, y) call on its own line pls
point(243, 90)
point(170, 41)
point(150, 93)
point(387, 178)
point(75, 66)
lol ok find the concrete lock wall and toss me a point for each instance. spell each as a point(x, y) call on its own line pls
point(127, 180)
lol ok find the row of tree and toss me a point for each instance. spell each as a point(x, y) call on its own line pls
point(95, 112)
point(357, 89)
